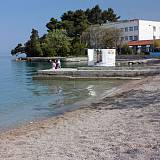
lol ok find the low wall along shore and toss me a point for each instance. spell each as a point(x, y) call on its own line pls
point(94, 73)
point(46, 59)
point(125, 69)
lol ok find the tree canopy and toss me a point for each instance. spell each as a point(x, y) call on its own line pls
point(101, 37)
point(64, 36)
point(33, 47)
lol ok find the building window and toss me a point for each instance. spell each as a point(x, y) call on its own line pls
point(122, 29)
point(130, 28)
point(126, 29)
point(135, 28)
point(154, 29)
point(135, 38)
point(126, 38)
point(122, 38)
point(131, 38)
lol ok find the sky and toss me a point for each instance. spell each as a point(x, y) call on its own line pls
point(18, 17)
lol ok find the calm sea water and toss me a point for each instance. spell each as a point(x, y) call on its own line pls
point(23, 99)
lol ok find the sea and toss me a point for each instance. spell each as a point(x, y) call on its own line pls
point(24, 100)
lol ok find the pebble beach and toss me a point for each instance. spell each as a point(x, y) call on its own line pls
point(123, 125)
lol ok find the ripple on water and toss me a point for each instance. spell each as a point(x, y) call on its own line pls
point(23, 100)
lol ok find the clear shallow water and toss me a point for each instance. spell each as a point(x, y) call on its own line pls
point(23, 100)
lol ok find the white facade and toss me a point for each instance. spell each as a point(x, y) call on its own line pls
point(133, 30)
point(149, 30)
point(90, 57)
point(101, 57)
point(108, 57)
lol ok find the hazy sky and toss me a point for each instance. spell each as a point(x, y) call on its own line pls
point(18, 17)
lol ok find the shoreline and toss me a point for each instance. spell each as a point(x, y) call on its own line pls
point(75, 106)
point(83, 104)
point(73, 131)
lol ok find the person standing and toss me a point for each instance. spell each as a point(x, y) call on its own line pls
point(59, 63)
point(53, 65)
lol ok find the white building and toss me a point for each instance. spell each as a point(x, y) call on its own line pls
point(101, 57)
point(136, 30)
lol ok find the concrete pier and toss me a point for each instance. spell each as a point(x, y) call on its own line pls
point(97, 73)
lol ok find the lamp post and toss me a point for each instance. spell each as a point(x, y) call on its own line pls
point(153, 27)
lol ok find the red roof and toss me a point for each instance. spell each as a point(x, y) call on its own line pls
point(140, 43)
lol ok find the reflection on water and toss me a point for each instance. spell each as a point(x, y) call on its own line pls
point(65, 94)
point(23, 99)
point(91, 90)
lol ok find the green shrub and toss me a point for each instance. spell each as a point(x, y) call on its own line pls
point(126, 49)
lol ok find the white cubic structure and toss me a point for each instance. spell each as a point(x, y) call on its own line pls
point(101, 57)
point(136, 30)
point(90, 57)
point(108, 57)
